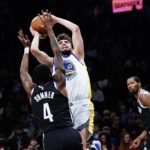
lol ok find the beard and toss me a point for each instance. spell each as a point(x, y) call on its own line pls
point(66, 52)
point(132, 92)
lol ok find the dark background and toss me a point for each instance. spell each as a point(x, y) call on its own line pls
point(116, 47)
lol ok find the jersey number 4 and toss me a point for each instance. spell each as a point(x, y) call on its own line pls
point(47, 112)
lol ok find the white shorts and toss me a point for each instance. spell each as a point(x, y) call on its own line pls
point(83, 115)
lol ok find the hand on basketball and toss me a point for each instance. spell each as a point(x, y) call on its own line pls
point(46, 19)
point(24, 39)
point(33, 32)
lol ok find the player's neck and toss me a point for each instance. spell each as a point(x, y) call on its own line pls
point(66, 53)
point(137, 95)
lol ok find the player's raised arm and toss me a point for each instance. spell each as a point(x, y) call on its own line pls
point(24, 75)
point(58, 62)
point(41, 56)
point(77, 39)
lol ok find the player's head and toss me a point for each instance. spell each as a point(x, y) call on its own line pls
point(133, 84)
point(64, 42)
point(42, 74)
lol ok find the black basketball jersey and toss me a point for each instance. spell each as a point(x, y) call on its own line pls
point(144, 111)
point(50, 108)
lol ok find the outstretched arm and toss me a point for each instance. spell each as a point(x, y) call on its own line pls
point(59, 75)
point(77, 39)
point(41, 56)
point(136, 143)
point(24, 75)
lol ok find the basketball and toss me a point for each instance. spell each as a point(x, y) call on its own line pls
point(37, 24)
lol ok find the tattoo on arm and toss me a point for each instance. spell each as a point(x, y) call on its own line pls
point(54, 44)
point(57, 53)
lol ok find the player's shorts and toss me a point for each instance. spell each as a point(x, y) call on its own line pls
point(83, 116)
point(62, 139)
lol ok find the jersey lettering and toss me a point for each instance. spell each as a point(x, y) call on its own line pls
point(43, 95)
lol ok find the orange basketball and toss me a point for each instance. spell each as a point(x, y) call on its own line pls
point(37, 25)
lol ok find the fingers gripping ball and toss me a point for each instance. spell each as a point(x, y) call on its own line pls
point(37, 25)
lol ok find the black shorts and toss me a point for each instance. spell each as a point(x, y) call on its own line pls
point(62, 139)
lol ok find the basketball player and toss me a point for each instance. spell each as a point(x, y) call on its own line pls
point(48, 97)
point(143, 103)
point(77, 79)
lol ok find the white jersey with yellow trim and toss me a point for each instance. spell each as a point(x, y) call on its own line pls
point(79, 92)
point(77, 80)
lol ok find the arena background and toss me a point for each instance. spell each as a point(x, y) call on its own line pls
point(116, 46)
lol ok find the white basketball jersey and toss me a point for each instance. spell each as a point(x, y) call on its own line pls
point(77, 80)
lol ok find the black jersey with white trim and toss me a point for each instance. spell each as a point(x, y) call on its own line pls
point(50, 108)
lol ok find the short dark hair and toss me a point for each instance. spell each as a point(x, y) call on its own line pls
point(136, 78)
point(64, 36)
point(42, 74)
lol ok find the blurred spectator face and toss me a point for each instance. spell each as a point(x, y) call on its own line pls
point(33, 142)
point(103, 138)
point(127, 138)
point(2, 148)
point(106, 130)
point(133, 86)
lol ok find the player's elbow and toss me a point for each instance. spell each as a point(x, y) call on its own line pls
point(76, 29)
point(22, 72)
point(34, 51)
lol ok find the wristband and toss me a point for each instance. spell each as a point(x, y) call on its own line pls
point(26, 50)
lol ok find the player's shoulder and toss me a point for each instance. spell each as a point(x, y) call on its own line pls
point(78, 57)
point(144, 92)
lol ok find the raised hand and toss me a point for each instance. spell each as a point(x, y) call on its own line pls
point(46, 19)
point(135, 144)
point(24, 39)
point(33, 32)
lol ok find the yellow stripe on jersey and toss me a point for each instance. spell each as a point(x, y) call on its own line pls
point(91, 118)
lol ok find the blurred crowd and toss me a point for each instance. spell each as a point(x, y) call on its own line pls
point(116, 47)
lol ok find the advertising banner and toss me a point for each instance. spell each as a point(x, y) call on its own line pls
point(126, 5)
